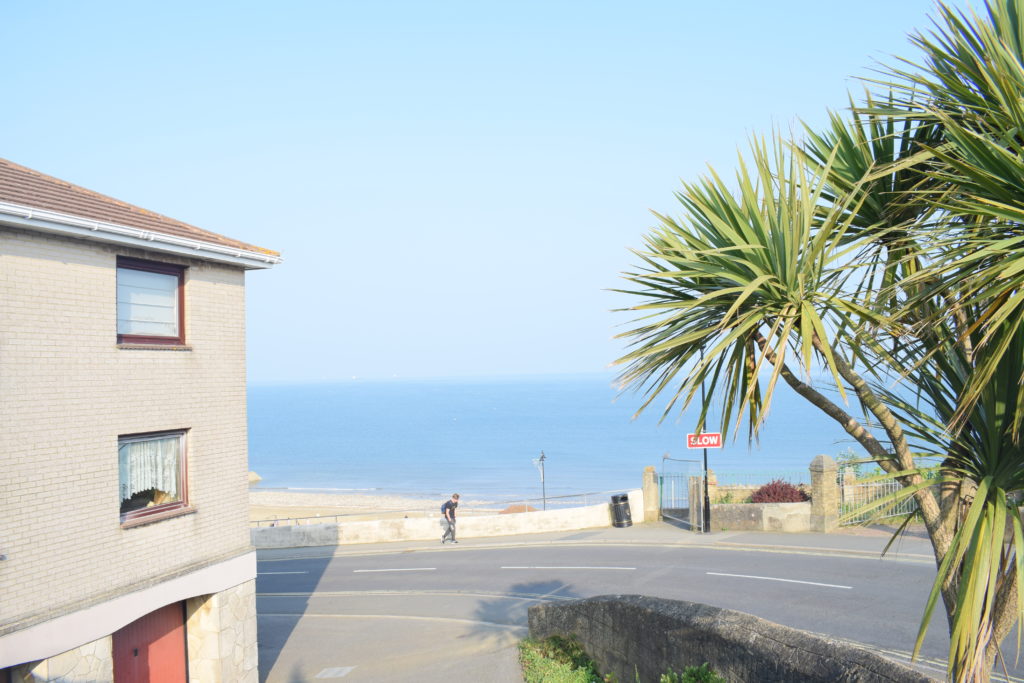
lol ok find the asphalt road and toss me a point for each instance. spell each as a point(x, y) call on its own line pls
point(455, 613)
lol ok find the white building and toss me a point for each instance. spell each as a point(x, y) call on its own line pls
point(124, 536)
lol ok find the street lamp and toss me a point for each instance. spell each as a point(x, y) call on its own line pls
point(707, 496)
point(539, 462)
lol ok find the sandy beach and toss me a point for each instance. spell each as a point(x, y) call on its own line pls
point(270, 505)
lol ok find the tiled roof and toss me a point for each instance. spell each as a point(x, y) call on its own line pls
point(23, 186)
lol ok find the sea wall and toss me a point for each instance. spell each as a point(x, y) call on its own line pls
point(429, 529)
point(639, 638)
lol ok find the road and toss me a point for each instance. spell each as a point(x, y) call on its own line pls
point(455, 613)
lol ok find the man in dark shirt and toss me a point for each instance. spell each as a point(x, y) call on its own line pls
point(448, 522)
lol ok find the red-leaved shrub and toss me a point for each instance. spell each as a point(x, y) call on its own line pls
point(778, 491)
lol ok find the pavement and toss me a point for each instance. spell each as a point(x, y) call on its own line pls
point(912, 546)
point(479, 622)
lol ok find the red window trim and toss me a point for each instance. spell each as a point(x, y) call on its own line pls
point(172, 509)
point(166, 269)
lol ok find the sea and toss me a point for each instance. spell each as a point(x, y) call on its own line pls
point(484, 438)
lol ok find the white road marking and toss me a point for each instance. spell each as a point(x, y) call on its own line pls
point(410, 569)
point(327, 595)
point(269, 573)
point(402, 617)
point(336, 672)
point(538, 567)
point(772, 578)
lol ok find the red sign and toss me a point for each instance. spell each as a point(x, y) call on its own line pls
point(705, 440)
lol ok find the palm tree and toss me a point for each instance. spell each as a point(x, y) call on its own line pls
point(886, 246)
point(970, 86)
point(978, 482)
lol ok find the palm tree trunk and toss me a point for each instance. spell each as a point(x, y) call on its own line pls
point(940, 527)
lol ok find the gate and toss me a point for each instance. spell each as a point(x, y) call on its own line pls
point(682, 494)
point(854, 494)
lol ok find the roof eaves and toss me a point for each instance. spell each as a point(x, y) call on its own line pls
point(88, 228)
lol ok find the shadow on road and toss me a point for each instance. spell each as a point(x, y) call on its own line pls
point(282, 598)
point(511, 609)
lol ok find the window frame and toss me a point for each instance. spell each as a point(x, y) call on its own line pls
point(131, 263)
point(163, 510)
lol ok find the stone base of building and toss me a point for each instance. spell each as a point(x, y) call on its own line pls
point(220, 633)
point(220, 630)
point(91, 662)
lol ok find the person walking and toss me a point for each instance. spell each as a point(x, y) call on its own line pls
point(448, 521)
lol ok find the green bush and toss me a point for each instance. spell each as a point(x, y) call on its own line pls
point(562, 660)
point(556, 660)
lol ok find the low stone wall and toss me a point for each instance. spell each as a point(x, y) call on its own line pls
point(429, 529)
point(788, 517)
point(724, 495)
point(741, 493)
point(640, 638)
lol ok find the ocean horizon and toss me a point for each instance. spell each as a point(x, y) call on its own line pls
point(481, 437)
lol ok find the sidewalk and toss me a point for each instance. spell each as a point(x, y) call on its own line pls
point(857, 541)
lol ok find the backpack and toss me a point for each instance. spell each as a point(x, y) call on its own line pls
point(443, 506)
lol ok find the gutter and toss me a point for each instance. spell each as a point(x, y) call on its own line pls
point(43, 220)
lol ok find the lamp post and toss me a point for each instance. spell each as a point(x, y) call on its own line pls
point(707, 495)
point(539, 462)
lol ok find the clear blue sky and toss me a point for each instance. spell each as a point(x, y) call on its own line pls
point(454, 185)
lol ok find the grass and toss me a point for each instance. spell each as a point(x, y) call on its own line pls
point(556, 660)
point(562, 660)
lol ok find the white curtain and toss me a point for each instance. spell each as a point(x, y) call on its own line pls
point(150, 464)
point(147, 303)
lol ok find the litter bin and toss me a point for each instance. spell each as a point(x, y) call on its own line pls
point(620, 511)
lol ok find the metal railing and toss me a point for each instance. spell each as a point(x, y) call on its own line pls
point(756, 478)
point(854, 495)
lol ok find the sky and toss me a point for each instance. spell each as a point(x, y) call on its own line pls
point(454, 186)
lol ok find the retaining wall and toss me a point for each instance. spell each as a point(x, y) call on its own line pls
point(429, 529)
point(639, 638)
point(788, 517)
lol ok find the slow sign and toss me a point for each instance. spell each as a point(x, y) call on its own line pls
point(705, 440)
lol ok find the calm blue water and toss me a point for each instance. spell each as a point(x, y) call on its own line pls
point(480, 437)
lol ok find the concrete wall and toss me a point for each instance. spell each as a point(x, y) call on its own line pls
point(635, 636)
point(67, 391)
point(429, 529)
point(788, 517)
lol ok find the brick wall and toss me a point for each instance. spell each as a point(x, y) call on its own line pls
point(66, 393)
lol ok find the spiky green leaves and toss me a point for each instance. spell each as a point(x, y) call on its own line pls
point(747, 275)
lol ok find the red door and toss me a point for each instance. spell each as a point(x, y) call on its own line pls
point(152, 649)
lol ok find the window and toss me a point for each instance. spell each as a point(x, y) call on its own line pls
point(152, 474)
point(149, 302)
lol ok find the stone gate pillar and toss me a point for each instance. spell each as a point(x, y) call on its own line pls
point(824, 494)
point(652, 496)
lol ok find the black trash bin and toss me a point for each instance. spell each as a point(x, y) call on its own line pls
point(620, 511)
